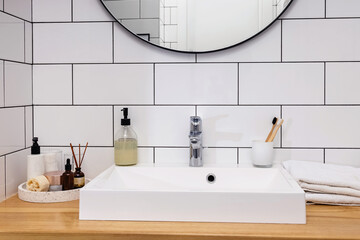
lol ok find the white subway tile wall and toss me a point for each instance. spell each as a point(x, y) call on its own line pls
point(344, 8)
point(52, 84)
point(304, 68)
point(18, 84)
point(16, 171)
point(15, 93)
point(196, 83)
point(306, 9)
point(113, 84)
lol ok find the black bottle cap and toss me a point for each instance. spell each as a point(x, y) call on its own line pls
point(125, 121)
point(68, 165)
point(35, 148)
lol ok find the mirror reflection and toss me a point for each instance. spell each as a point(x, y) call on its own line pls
point(196, 25)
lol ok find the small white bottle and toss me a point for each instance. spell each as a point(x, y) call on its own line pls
point(35, 161)
point(125, 143)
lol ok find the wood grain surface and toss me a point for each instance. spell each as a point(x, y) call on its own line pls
point(22, 220)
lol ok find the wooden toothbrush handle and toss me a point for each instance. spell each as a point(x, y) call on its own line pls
point(271, 132)
point(276, 130)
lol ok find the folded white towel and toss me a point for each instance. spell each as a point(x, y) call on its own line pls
point(326, 183)
point(332, 199)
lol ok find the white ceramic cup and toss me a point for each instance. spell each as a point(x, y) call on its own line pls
point(262, 153)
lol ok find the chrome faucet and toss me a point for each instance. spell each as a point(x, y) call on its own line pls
point(195, 137)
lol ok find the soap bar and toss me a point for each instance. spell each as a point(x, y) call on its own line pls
point(38, 184)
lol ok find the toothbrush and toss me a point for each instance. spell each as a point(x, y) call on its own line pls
point(275, 131)
point(274, 121)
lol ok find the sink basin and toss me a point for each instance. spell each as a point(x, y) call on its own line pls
point(193, 194)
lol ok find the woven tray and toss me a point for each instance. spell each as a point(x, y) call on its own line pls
point(48, 197)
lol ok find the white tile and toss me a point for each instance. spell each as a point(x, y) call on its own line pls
point(196, 83)
point(18, 84)
point(225, 126)
point(321, 40)
point(143, 26)
point(52, 84)
point(150, 8)
point(342, 8)
point(72, 43)
point(159, 126)
point(128, 48)
point(145, 155)
point(220, 157)
point(167, 15)
point(12, 137)
point(320, 126)
point(90, 10)
point(124, 9)
point(19, 8)
point(342, 83)
point(281, 155)
point(62, 125)
point(171, 157)
point(113, 84)
point(2, 104)
point(265, 47)
point(349, 157)
point(281, 83)
point(171, 33)
point(12, 38)
point(2, 179)
point(28, 126)
point(28, 42)
point(174, 19)
point(1, 4)
point(51, 10)
point(16, 169)
point(305, 9)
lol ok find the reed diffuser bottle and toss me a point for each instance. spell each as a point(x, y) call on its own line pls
point(125, 143)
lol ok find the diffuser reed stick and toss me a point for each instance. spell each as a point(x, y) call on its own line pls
point(72, 149)
point(84, 154)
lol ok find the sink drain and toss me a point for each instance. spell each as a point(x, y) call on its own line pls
point(211, 178)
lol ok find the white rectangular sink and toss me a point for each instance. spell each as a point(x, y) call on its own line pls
point(185, 194)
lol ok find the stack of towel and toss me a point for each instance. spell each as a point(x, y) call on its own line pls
point(326, 183)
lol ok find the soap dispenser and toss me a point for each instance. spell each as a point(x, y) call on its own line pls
point(125, 143)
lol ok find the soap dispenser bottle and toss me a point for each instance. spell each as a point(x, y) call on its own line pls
point(125, 143)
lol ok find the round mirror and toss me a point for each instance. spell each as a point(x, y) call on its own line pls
point(196, 25)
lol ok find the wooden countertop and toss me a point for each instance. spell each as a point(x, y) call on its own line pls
point(22, 220)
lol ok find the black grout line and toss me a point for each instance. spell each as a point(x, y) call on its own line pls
point(25, 126)
point(238, 84)
point(237, 155)
point(72, 84)
point(189, 105)
point(5, 174)
point(325, 13)
point(12, 15)
point(113, 125)
point(14, 61)
point(324, 83)
point(281, 40)
point(72, 11)
point(9, 153)
point(281, 128)
point(24, 43)
point(153, 155)
point(196, 110)
point(154, 89)
point(188, 62)
point(3, 65)
point(113, 42)
point(324, 157)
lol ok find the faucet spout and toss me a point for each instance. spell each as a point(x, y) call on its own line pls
point(195, 138)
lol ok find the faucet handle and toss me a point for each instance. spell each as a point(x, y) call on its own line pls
point(195, 124)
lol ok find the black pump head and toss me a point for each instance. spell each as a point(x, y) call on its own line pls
point(35, 148)
point(68, 165)
point(125, 121)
